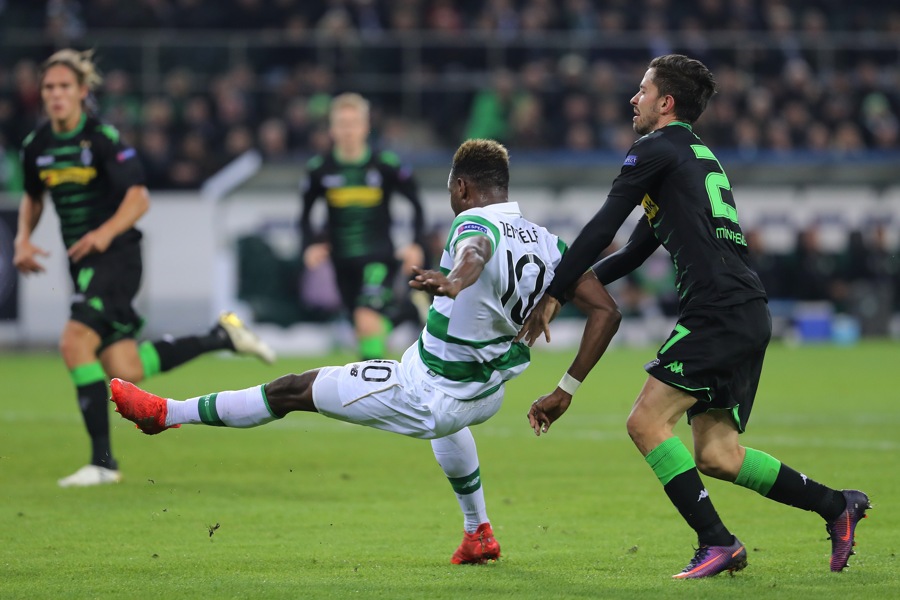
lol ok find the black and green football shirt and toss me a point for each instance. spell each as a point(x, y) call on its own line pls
point(358, 195)
point(87, 172)
point(689, 210)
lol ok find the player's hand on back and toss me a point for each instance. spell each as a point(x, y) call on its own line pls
point(547, 409)
point(411, 256)
point(538, 321)
point(24, 258)
point(316, 254)
point(434, 282)
point(93, 242)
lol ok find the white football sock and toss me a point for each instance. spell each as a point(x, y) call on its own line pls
point(241, 408)
point(458, 457)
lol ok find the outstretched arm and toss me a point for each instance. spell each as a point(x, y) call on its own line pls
point(471, 255)
point(640, 245)
point(603, 319)
point(593, 239)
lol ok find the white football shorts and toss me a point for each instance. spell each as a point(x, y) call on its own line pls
point(389, 395)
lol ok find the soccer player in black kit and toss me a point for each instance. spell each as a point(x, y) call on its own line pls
point(357, 183)
point(710, 365)
point(97, 186)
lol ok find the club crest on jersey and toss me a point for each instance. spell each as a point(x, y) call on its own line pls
point(43, 161)
point(471, 227)
point(86, 155)
point(373, 178)
point(630, 160)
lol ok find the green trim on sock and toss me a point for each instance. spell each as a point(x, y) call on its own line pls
point(468, 484)
point(758, 471)
point(207, 408)
point(87, 374)
point(670, 459)
point(149, 359)
point(262, 389)
point(374, 346)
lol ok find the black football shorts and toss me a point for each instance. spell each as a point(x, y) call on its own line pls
point(105, 287)
point(366, 282)
point(716, 356)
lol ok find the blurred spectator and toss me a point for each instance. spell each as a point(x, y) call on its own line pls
point(118, 103)
point(155, 153)
point(197, 117)
point(492, 109)
point(811, 271)
point(10, 168)
point(238, 140)
point(885, 261)
point(64, 21)
point(272, 140)
point(769, 266)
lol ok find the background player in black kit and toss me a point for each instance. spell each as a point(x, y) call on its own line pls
point(357, 183)
point(710, 365)
point(97, 187)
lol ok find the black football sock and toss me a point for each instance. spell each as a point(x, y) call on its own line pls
point(166, 354)
point(796, 489)
point(687, 493)
point(90, 386)
point(676, 470)
point(777, 481)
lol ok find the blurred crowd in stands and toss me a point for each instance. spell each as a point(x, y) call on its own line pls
point(794, 76)
point(219, 77)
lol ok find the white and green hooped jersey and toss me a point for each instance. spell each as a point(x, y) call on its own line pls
point(467, 346)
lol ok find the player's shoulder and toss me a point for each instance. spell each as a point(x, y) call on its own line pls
point(316, 162)
point(389, 158)
point(477, 212)
point(653, 140)
point(659, 144)
point(102, 132)
point(37, 137)
point(479, 219)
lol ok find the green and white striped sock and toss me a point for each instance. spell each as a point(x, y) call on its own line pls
point(241, 408)
point(458, 457)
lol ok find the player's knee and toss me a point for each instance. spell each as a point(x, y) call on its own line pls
point(130, 373)
point(717, 463)
point(291, 392)
point(74, 348)
point(636, 426)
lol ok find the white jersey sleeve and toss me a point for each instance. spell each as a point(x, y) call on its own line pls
point(466, 347)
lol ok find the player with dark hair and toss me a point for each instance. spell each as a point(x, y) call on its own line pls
point(97, 187)
point(357, 183)
point(709, 367)
point(495, 265)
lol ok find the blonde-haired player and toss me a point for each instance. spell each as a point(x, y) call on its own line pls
point(97, 186)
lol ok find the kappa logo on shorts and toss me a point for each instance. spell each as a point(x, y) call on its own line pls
point(676, 367)
point(354, 371)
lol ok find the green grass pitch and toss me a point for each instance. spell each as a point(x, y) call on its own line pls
point(311, 508)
